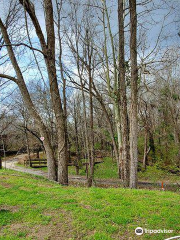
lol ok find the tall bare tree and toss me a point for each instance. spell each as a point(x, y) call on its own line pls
point(48, 50)
point(134, 94)
point(123, 98)
point(27, 100)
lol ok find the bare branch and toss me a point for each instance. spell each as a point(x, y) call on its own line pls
point(9, 77)
point(22, 44)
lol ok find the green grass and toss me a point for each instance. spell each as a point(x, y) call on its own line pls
point(35, 169)
point(153, 174)
point(105, 170)
point(108, 170)
point(28, 202)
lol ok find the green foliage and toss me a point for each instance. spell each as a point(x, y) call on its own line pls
point(165, 92)
point(175, 96)
point(73, 148)
point(157, 174)
point(167, 152)
point(97, 146)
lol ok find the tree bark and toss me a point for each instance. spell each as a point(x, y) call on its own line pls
point(59, 7)
point(29, 104)
point(27, 141)
point(123, 99)
point(77, 140)
point(111, 132)
point(49, 57)
point(113, 92)
point(91, 163)
point(145, 149)
point(89, 68)
point(134, 94)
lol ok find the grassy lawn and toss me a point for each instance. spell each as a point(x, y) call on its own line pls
point(153, 174)
point(34, 208)
point(108, 170)
point(105, 170)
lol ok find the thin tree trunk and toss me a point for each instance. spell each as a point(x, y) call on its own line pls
point(59, 6)
point(152, 146)
point(91, 175)
point(111, 132)
point(91, 139)
point(27, 142)
point(123, 99)
point(134, 97)
point(145, 149)
point(77, 140)
point(119, 137)
point(115, 102)
point(86, 143)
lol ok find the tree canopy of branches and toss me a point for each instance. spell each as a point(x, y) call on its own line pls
point(89, 77)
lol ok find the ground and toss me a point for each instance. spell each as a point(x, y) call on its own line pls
point(108, 170)
point(31, 207)
point(105, 174)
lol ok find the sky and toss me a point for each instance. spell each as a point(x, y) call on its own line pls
point(158, 16)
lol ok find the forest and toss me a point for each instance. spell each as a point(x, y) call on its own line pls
point(90, 96)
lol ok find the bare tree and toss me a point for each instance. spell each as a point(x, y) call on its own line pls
point(134, 92)
point(48, 51)
point(123, 98)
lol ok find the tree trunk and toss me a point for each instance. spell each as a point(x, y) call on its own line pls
point(62, 173)
point(91, 163)
point(59, 6)
point(91, 175)
point(123, 99)
point(27, 143)
point(145, 149)
point(152, 146)
point(119, 137)
point(77, 140)
point(49, 57)
point(29, 104)
point(134, 92)
point(111, 132)
point(0, 162)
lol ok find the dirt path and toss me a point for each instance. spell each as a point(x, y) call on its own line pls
point(11, 164)
point(81, 180)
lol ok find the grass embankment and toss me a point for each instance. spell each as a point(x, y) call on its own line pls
point(108, 170)
point(34, 208)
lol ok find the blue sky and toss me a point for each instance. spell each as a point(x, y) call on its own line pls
point(150, 23)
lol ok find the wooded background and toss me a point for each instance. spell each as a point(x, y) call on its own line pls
point(92, 78)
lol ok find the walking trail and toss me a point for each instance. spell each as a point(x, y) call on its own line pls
point(82, 181)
